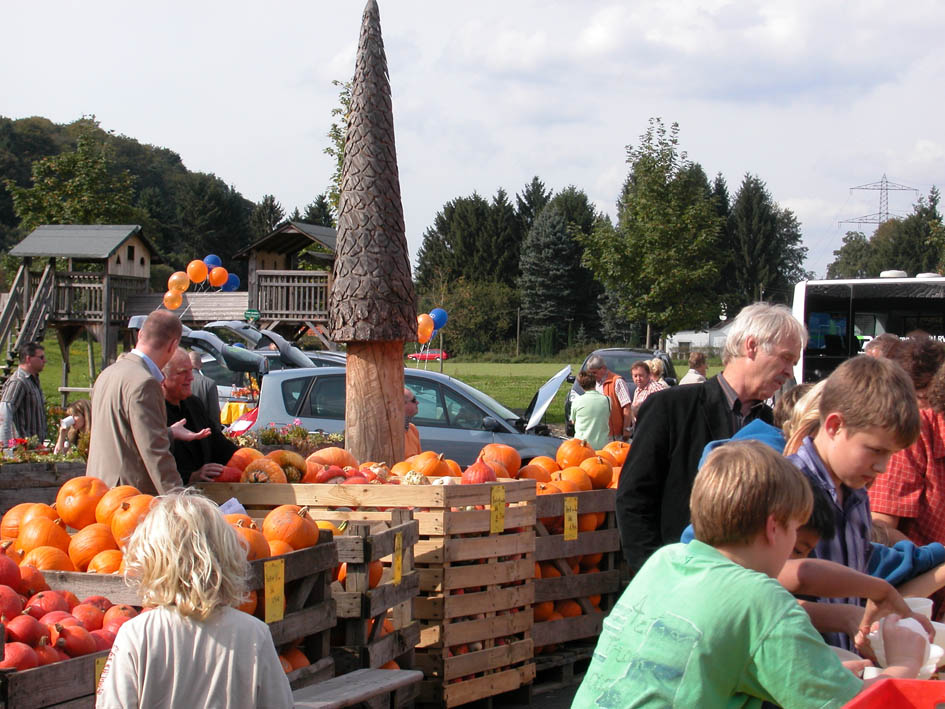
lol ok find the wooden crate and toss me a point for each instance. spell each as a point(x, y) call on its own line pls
point(309, 606)
point(70, 683)
point(554, 548)
point(34, 482)
point(455, 551)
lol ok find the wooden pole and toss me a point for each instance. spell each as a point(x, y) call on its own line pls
point(374, 401)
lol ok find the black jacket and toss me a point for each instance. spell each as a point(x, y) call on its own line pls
point(191, 455)
point(673, 427)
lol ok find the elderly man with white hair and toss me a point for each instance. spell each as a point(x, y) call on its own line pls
point(762, 347)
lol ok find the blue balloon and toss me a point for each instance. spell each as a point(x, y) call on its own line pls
point(232, 283)
point(439, 317)
point(212, 260)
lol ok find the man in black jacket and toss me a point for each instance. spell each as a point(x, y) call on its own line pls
point(673, 426)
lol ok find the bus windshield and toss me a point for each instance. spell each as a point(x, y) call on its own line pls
point(843, 315)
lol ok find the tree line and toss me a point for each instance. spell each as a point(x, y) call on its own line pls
point(553, 271)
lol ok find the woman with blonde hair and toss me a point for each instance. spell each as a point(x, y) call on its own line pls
point(194, 648)
point(804, 420)
point(80, 413)
point(655, 366)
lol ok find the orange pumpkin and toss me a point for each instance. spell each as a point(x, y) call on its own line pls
point(600, 471)
point(505, 454)
point(564, 485)
point(430, 464)
point(296, 658)
point(9, 549)
point(332, 527)
point(49, 558)
point(249, 605)
point(403, 467)
point(263, 470)
point(88, 542)
point(109, 561)
point(277, 547)
point(543, 461)
point(568, 608)
point(587, 522)
point(128, 516)
point(390, 665)
point(534, 472)
point(40, 532)
point(32, 581)
point(552, 524)
point(235, 517)
point(10, 524)
point(39, 509)
point(256, 545)
point(111, 500)
point(589, 561)
point(619, 450)
point(616, 478)
point(292, 525)
point(333, 455)
point(375, 573)
point(572, 451)
point(549, 570)
point(77, 498)
point(455, 470)
point(606, 455)
point(542, 611)
point(243, 457)
point(292, 464)
point(576, 475)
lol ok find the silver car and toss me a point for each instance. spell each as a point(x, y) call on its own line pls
point(453, 417)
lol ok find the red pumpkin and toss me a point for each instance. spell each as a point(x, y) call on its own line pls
point(46, 601)
point(104, 639)
point(19, 656)
point(333, 455)
point(74, 640)
point(47, 654)
point(118, 615)
point(32, 581)
point(9, 572)
point(229, 474)
point(11, 605)
point(99, 601)
point(478, 472)
point(24, 628)
point(90, 616)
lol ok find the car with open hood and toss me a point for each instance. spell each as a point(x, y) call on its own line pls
point(453, 418)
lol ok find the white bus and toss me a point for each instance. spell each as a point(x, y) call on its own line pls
point(843, 315)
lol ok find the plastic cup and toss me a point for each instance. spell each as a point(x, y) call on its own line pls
point(871, 672)
point(923, 606)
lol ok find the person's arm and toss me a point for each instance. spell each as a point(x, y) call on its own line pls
point(924, 585)
point(640, 488)
point(627, 421)
point(833, 617)
point(62, 441)
point(12, 397)
point(905, 651)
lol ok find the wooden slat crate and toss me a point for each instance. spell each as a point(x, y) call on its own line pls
point(68, 683)
point(309, 606)
point(554, 549)
point(34, 482)
point(455, 552)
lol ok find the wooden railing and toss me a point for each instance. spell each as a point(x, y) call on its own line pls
point(292, 295)
point(34, 322)
point(12, 312)
point(78, 296)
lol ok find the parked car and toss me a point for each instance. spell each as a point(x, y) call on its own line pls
point(429, 356)
point(619, 360)
point(281, 353)
point(453, 418)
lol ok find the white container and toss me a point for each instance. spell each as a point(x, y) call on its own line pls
point(922, 606)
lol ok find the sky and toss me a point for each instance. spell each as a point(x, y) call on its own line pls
point(812, 97)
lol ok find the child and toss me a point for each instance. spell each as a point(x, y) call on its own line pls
point(867, 412)
point(81, 414)
point(194, 648)
point(590, 413)
point(707, 625)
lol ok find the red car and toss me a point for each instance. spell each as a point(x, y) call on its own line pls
point(428, 356)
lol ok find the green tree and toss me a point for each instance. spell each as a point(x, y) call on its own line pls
point(661, 260)
point(457, 244)
point(267, 215)
point(853, 259)
point(214, 218)
point(76, 187)
point(482, 314)
point(337, 134)
point(318, 212)
point(530, 202)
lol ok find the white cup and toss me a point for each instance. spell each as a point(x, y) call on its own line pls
point(871, 672)
point(67, 422)
point(922, 606)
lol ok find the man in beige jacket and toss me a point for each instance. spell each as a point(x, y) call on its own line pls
point(130, 441)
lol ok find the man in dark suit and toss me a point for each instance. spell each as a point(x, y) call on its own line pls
point(204, 388)
point(762, 347)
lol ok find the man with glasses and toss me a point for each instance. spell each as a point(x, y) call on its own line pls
point(411, 434)
point(23, 408)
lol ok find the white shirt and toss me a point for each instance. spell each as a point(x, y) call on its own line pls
point(161, 659)
point(621, 391)
point(152, 367)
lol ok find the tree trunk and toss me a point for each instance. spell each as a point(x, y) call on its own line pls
point(374, 401)
point(648, 335)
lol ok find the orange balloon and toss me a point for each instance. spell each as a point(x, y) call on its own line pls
point(424, 328)
point(197, 271)
point(218, 276)
point(173, 299)
point(178, 281)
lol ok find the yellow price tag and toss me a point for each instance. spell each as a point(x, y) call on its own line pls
point(99, 668)
point(274, 578)
point(397, 567)
point(497, 518)
point(570, 519)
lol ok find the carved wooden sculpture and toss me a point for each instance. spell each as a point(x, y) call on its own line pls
point(372, 305)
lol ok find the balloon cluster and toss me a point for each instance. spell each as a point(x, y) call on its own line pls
point(210, 271)
point(428, 325)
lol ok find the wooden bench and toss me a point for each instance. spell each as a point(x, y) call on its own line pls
point(372, 688)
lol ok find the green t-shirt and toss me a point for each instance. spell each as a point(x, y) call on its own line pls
point(695, 629)
point(590, 413)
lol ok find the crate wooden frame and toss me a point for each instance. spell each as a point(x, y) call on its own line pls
point(309, 605)
point(445, 513)
point(553, 547)
point(35, 481)
point(70, 683)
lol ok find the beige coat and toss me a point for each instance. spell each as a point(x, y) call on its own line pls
point(129, 443)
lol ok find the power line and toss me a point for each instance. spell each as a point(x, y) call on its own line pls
point(883, 187)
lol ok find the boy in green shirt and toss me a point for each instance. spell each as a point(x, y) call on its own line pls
point(707, 624)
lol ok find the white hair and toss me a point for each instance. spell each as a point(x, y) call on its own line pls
point(768, 324)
